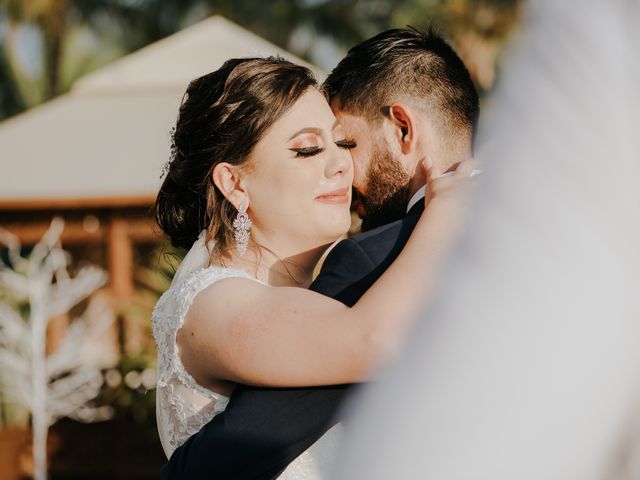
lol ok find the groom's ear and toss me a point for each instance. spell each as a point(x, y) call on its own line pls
point(226, 178)
point(402, 122)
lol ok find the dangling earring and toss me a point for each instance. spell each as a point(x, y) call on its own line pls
point(241, 226)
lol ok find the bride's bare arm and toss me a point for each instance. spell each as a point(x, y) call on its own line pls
point(242, 331)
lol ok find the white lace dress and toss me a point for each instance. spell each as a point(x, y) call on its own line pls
point(183, 406)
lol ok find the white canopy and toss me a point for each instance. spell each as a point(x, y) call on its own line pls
point(109, 137)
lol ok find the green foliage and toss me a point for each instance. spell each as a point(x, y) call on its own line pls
point(117, 27)
point(11, 101)
point(130, 386)
point(129, 391)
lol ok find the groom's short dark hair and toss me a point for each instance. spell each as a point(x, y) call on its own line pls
point(405, 62)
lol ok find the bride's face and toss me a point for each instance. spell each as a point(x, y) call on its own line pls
point(299, 183)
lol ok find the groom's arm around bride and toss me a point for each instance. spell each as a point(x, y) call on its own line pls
point(262, 430)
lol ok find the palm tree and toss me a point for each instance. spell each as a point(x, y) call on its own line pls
point(476, 27)
point(55, 21)
point(11, 101)
point(146, 21)
point(51, 18)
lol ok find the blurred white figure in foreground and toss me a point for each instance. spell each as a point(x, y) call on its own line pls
point(528, 366)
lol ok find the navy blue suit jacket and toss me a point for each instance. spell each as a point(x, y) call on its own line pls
point(262, 430)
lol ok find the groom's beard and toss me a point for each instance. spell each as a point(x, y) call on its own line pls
point(387, 190)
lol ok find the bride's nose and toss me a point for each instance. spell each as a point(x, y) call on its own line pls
point(339, 163)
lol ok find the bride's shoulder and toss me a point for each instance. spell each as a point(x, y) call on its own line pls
point(213, 295)
point(183, 292)
point(186, 287)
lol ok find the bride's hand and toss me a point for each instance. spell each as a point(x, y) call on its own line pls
point(454, 185)
point(450, 193)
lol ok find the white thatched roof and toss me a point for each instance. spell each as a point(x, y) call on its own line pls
point(109, 136)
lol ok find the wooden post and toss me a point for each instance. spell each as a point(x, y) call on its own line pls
point(121, 269)
point(120, 254)
point(120, 258)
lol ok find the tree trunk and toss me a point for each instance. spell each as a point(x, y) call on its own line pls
point(53, 51)
point(39, 416)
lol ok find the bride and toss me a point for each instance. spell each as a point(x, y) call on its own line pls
point(258, 188)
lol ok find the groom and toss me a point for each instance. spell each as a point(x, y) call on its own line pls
point(401, 96)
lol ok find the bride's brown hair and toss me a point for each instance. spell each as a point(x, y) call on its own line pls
point(223, 115)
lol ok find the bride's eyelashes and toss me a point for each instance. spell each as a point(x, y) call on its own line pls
point(315, 150)
point(307, 151)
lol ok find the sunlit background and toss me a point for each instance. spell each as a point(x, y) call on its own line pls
point(89, 91)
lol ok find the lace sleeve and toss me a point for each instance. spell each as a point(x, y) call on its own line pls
point(183, 406)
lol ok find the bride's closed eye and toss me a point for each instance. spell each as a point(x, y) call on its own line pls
point(307, 151)
point(315, 150)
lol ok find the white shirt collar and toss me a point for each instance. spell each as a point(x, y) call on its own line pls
point(419, 195)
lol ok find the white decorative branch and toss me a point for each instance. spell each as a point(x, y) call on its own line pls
point(62, 384)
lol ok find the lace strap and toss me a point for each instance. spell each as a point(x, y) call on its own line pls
point(199, 280)
point(193, 284)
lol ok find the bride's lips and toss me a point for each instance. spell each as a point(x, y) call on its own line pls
point(338, 196)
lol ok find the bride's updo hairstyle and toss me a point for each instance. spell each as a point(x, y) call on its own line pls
point(223, 115)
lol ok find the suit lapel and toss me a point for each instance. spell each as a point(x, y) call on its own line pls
point(417, 209)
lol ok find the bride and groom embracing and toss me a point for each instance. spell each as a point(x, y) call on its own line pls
point(255, 356)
